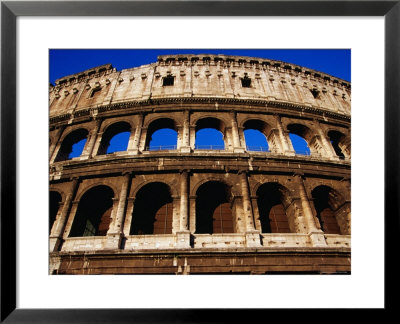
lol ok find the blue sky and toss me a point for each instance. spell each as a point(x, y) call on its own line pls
point(63, 62)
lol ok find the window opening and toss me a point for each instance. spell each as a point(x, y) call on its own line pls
point(95, 92)
point(163, 139)
point(210, 134)
point(209, 139)
point(168, 81)
point(119, 142)
point(213, 211)
point(273, 216)
point(72, 145)
point(54, 205)
point(115, 138)
point(323, 207)
point(93, 215)
point(153, 210)
point(315, 93)
point(300, 145)
point(77, 149)
point(162, 135)
point(255, 140)
point(246, 82)
point(335, 138)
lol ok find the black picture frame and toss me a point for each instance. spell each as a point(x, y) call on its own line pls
point(10, 10)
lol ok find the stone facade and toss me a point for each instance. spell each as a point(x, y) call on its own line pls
point(279, 211)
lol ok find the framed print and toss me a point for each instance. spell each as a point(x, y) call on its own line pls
point(308, 210)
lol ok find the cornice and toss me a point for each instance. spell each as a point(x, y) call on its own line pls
point(200, 100)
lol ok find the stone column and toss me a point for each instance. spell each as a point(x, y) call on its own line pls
point(133, 147)
point(142, 140)
point(94, 138)
point(252, 235)
point(149, 82)
point(192, 135)
point(235, 134)
point(343, 217)
point(284, 138)
point(316, 235)
point(274, 141)
point(176, 204)
point(330, 152)
point(115, 232)
point(128, 218)
point(55, 151)
point(187, 92)
point(192, 214)
point(256, 213)
point(184, 200)
point(70, 220)
point(59, 225)
point(111, 90)
point(185, 133)
point(242, 138)
point(227, 82)
point(57, 138)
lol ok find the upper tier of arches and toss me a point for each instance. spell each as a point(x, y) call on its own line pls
point(190, 132)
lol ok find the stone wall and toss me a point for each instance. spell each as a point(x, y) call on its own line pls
point(230, 94)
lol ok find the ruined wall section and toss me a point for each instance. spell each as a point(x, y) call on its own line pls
point(201, 76)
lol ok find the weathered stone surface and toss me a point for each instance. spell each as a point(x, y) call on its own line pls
point(246, 231)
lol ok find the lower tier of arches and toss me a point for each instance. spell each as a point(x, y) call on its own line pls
point(226, 210)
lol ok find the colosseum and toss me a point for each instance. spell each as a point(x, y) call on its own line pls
point(231, 208)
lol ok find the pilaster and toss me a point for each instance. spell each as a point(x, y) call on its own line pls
point(133, 148)
point(284, 138)
point(60, 223)
point(115, 232)
point(185, 133)
point(95, 138)
point(316, 235)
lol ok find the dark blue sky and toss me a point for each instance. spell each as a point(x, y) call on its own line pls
point(64, 62)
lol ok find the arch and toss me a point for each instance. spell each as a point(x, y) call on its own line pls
point(153, 210)
point(272, 201)
point(326, 201)
point(300, 137)
point(99, 182)
point(214, 177)
point(72, 145)
point(210, 134)
point(256, 133)
point(162, 124)
point(115, 138)
point(213, 208)
point(93, 216)
point(339, 141)
point(55, 199)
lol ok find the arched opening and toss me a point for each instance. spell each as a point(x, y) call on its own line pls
point(93, 216)
point(270, 200)
point(255, 134)
point(163, 139)
point(337, 140)
point(210, 134)
point(162, 134)
point(54, 205)
point(298, 135)
point(153, 210)
point(72, 145)
point(213, 209)
point(115, 138)
point(324, 202)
